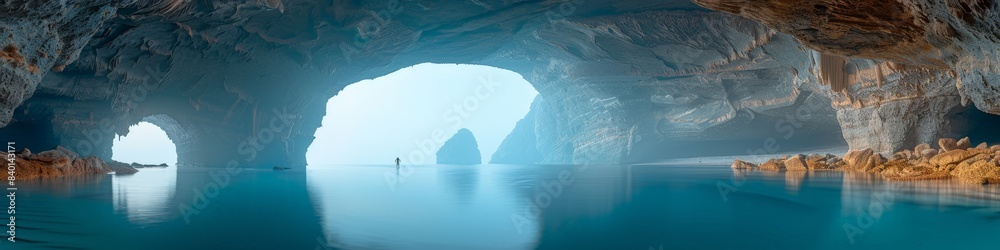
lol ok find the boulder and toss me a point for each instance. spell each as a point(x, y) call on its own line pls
point(922, 147)
point(738, 164)
point(947, 144)
point(121, 168)
point(863, 160)
point(796, 163)
point(57, 162)
point(24, 153)
point(901, 170)
point(905, 154)
point(983, 146)
point(818, 162)
point(963, 143)
point(928, 153)
point(89, 165)
point(54, 158)
point(773, 165)
point(67, 152)
point(951, 157)
point(979, 172)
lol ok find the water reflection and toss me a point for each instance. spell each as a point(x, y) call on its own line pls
point(859, 190)
point(144, 196)
point(558, 207)
point(793, 181)
point(461, 181)
point(435, 207)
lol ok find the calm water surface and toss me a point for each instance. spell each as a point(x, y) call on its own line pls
point(502, 207)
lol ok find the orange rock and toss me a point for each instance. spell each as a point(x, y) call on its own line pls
point(947, 144)
point(930, 152)
point(951, 157)
point(981, 172)
point(964, 143)
point(796, 163)
point(58, 162)
point(863, 160)
point(773, 165)
point(738, 164)
point(818, 162)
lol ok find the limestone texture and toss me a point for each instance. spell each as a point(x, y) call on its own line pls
point(61, 162)
point(979, 165)
point(634, 80)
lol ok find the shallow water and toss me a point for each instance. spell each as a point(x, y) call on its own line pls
point(502, 207)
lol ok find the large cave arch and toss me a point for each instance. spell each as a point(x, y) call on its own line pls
point(411, 112)
point(620, 80)
point(147, 144)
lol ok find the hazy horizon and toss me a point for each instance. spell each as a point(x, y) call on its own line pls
point(374, 121)
point(145, 143)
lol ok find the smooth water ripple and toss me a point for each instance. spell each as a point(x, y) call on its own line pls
point(502, 207)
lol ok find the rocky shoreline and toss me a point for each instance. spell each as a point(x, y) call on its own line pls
point(61, 162)
point(951, 159)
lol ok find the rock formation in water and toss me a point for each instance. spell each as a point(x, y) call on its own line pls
point(461, 148)
point(246, 82)
point(952, 159)
point(121, 168)
point(61, 162)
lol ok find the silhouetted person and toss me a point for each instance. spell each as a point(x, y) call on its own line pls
point(397, 162)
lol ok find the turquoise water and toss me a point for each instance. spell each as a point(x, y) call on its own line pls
point(502, 207)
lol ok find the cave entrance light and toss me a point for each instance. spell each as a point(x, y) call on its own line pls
point(411, 112)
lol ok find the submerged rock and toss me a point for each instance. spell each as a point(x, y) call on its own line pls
point(738, 164)
point(462, 148)
point(122, 168)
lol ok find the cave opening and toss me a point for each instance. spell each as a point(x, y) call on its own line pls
point(145, 195)
point(145, 143)
point(412, 112)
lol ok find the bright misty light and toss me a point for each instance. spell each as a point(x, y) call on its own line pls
point(375, 121)
point(147, 144)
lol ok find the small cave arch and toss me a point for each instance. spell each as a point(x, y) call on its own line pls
point(177, 135)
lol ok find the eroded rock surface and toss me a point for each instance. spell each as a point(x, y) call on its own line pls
point(246, 82)
point(60, 162)
point(960, 36)
point(520, 146)
point(980, 165)
point(252, 78)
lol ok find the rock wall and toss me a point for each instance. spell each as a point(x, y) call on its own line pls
point(888, 106)
point(520, 146)
point(931, 58)
point(246, 82)
point(959, 36)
